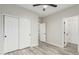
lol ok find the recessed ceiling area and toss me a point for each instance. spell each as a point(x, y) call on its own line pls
point(49, 10)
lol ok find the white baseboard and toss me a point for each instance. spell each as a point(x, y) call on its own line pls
point(55, 44)
point(34, 45)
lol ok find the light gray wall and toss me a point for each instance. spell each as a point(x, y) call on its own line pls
point(54, 24)
point(15, 10)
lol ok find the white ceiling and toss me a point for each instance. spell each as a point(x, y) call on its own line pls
point(49, 10)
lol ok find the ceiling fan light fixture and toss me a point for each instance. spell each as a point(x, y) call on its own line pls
point(44, 9)
point(45, 6)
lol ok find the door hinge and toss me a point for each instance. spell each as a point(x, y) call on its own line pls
point(64, 22)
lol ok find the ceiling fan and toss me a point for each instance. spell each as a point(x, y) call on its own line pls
point(45, 5)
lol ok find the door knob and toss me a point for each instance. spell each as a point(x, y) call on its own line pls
point(5, 36)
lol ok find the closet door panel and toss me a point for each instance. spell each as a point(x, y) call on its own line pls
point(25, 33)
point(10, 33)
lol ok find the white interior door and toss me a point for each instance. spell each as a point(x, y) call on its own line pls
point(25, 33)
point(43, 32)
point(74, 30)
point(11, 33)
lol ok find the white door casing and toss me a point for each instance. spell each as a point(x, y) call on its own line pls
point(1, 34)
point(66, 31)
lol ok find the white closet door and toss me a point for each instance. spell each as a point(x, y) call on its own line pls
point(25, 33)
point(11, 33)
point(43, 32)
point(74, 30)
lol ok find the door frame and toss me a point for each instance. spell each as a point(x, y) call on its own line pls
point(63, 32)
point(63, 36)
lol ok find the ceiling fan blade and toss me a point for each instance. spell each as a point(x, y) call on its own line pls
point(36, 5)
point(53, 5)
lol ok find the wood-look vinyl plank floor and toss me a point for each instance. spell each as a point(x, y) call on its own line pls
point(42, 49)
